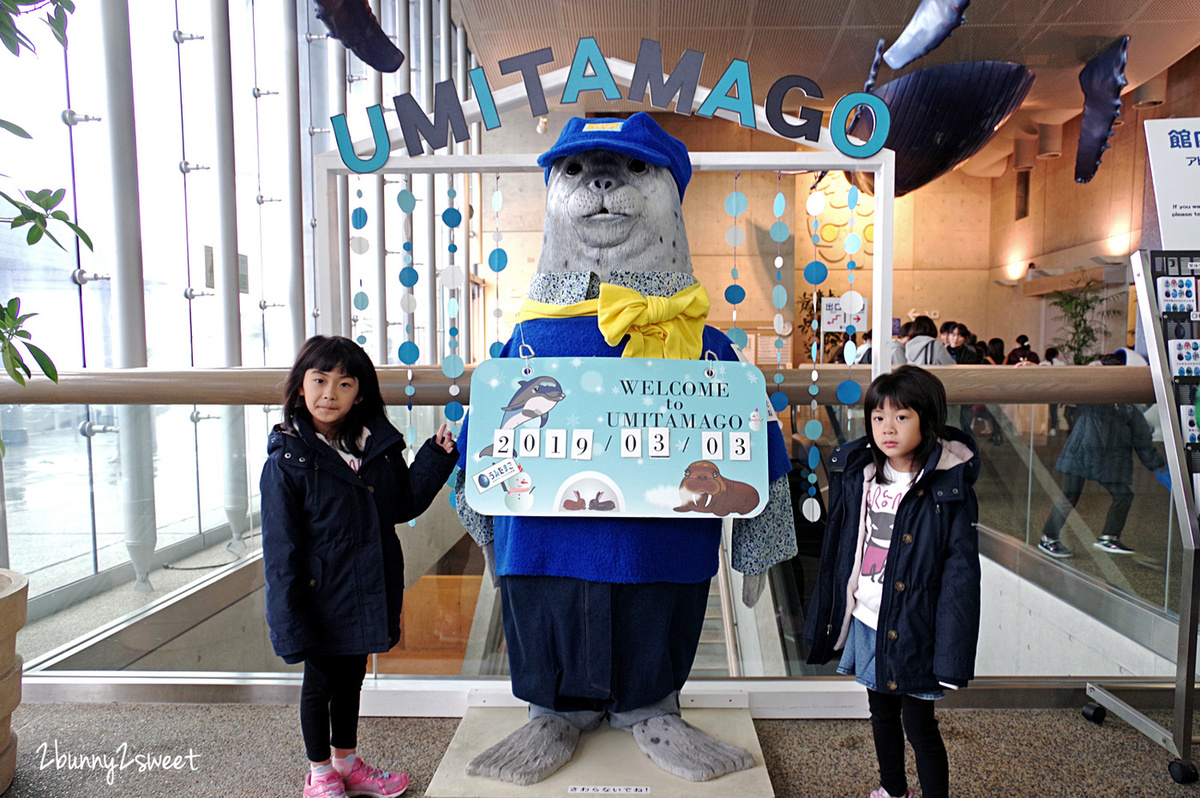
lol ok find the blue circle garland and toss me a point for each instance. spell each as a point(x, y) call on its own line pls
point(408, 353)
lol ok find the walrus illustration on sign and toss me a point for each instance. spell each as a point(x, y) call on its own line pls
point(704, 490)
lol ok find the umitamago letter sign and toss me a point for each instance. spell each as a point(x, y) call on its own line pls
point(618, 437)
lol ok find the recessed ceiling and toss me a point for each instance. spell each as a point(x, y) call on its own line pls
point(833, 43)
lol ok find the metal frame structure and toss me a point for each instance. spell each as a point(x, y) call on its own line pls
point(1178, 739)
point(329, 172)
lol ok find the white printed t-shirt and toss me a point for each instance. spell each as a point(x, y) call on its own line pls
point(879, 516)
point(352, 460)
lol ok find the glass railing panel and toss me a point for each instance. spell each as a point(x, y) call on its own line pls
point(67, 508)
point(177, 429)
point(1089, 483)
point(451, 617)
point(50, 486)
point(443, 630)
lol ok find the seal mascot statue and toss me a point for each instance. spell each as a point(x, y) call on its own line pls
point(602, 616)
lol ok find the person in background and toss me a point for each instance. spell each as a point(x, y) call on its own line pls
point(1129, 357)
point(1052, 359)
point(1099, 448)
point(1022, 353)
point(864, 352)
point(995, 352)
point(966, 355)
point(960, 348)
point(923, 347)
point(944, 332)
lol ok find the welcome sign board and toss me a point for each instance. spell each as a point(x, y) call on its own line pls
point(617, 436)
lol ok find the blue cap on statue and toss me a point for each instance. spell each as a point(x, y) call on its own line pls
point(639, 137)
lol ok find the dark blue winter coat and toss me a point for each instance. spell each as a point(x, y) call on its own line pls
point(1100, 442)
point(929, 615)
point(334, 568)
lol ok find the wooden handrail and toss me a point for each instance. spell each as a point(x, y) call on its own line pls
point(250, 386)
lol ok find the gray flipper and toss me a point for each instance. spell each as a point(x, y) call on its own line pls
point(680, 748)
point(530, 754)
point(930, 25)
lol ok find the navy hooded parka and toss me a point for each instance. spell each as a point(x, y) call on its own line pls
point(333, 564)
point(929, 615)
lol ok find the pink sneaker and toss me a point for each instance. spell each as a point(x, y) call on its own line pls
point(882, 793)
point(364, 779)
point(327, 785)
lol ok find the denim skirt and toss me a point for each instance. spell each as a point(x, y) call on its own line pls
point(858, 660)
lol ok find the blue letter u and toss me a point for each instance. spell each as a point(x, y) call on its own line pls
point(383, 145)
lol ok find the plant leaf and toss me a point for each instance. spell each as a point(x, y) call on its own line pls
point(50, 236)
point(78, 231)
point(14, 307)
point(10, 363)
point(35, 235)
point(54, 199)
point(43, 361)
point(15, 129)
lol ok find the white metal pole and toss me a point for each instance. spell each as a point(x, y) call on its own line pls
point(135, 429)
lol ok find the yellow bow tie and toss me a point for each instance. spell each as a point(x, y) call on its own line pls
point(671, 327)
point(657, 326)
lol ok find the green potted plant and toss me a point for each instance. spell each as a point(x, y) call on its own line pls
point(1085, 310)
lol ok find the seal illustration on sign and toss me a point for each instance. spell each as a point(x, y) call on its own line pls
point(704, 490)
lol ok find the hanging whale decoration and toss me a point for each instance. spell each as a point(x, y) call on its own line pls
point(942, 115)
point(1101, 79)
point(932, 23)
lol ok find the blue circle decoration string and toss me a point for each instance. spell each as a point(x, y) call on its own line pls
point(779, 297)
point(409, 276)
point(358, 219)
point(497, 259)
point(409, 353)
point(451, 279)
point(815, 272)
point(497, 262)
point(406, 200)
point(736, 204)
point(813, 429)
point(361, 300)
point(453, 366)
point(849, 392)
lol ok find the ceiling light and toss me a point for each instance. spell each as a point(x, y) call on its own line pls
point(1151, 93)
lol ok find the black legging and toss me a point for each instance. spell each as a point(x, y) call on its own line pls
point(329, 703)
point(893, 717)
